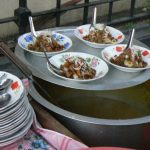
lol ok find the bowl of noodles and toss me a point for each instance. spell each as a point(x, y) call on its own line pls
point(53, 43)
point(101, 37)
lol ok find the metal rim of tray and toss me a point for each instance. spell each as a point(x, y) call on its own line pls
point(37, 97)
point(114, 79)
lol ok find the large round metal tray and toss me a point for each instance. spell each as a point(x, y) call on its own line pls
point(114, 79)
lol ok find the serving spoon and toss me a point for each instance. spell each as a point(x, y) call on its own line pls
point(24, 69)
point(53, 67)
point(130, 41)
point(4, 96)
point(33, 29)
point(99, 26)
point(4, 99)
point(2, 77)
point(6, 84)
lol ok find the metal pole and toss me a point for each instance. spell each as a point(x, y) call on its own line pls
point(132, 8)
point(22, 13)
point(58, 6)
point(22, 3)
point(85, 13)
point(110, 11)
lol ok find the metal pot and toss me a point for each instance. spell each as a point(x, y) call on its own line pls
point(123, 119)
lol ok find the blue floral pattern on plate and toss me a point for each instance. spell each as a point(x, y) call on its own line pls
point(29, 38)
point(58, 37)
point(67, 45)
point(26, 39)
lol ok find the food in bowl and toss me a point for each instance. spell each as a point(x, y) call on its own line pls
point(129, 58)
point(47, 42)
point(100, 36)
point(77, 69)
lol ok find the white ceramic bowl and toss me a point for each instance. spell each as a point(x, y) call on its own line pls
point(83, 30)
point(95, 62)
point(26, 39)
point(111, 51)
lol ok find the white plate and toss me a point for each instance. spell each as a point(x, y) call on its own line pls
point(19, 134)
point(14, 126)
point(95, 62)
point(16, 89)
point(26, 39)
point(26, 118)
point(83, 30)
point(7, 108)
point(111, 51)
point(16, 108)
point(12, 118)
point(25, 106)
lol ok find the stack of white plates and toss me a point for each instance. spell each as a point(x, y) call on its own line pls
point(16, 117)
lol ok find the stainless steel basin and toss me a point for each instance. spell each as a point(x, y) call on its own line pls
point(101, 118)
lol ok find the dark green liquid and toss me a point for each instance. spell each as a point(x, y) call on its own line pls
point(103, 108)
point(126, 103)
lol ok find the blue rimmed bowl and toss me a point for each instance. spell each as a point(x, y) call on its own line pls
point(27, 38)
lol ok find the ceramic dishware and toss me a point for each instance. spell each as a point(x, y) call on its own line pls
point(95, 62)
point(83, 30)
point(27, 38)
point(116, 50)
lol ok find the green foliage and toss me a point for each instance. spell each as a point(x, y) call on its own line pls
point(147, 21)
point(148, 6)
point(148, 11)
point(129, 25)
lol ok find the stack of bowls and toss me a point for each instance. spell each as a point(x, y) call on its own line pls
point(16, 116)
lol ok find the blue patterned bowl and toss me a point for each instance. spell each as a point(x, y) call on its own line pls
point(26, 39)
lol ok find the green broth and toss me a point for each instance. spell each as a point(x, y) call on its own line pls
point(114, 104)
point(101, 107)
